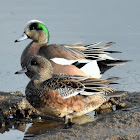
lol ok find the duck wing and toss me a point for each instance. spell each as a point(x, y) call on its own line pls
point(69, 86)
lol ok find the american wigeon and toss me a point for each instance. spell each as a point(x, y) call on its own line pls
point(78, 59)
point(62, 95)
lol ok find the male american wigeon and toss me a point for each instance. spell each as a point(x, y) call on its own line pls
point(78, 59)
point(62, 95)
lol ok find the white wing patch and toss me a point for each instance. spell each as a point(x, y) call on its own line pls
point(91, 93)
point(91, 69)
point(63, 61)
point(69, 92)
point(73, 94)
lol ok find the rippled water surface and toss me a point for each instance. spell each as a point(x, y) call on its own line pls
point(70, 22)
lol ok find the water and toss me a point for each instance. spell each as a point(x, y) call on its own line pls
point(18, 129)
point(14, 133)
point(70, 22)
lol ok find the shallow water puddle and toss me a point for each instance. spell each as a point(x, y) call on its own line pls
point(19, 129)
point(24, 129)
point(14, 129)
point(42, 127)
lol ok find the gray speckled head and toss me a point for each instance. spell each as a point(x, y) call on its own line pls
point(40, 67)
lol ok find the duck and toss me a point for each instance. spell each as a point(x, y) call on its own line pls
point(79, 59)
point(64, 96)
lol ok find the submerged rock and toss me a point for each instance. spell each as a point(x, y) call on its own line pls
point(15, 103)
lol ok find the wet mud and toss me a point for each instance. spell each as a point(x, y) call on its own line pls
point(119, 118)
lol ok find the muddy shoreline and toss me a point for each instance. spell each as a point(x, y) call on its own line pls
point(124, 123)
point(119, 125)
point(115, 126)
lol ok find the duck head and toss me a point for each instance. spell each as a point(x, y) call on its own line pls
point(35, 30)
point(40, 68)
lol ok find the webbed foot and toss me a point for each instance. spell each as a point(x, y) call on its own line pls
point(68, 123)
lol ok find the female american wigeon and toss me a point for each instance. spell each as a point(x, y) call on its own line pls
point(62, 95)
point(75, 59)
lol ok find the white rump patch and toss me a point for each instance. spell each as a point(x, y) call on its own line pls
point(91, 69)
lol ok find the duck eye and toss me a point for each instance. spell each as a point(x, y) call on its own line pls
point(33, 26)
point(34, 63)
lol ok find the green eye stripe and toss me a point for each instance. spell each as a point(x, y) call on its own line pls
point(44, 28)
